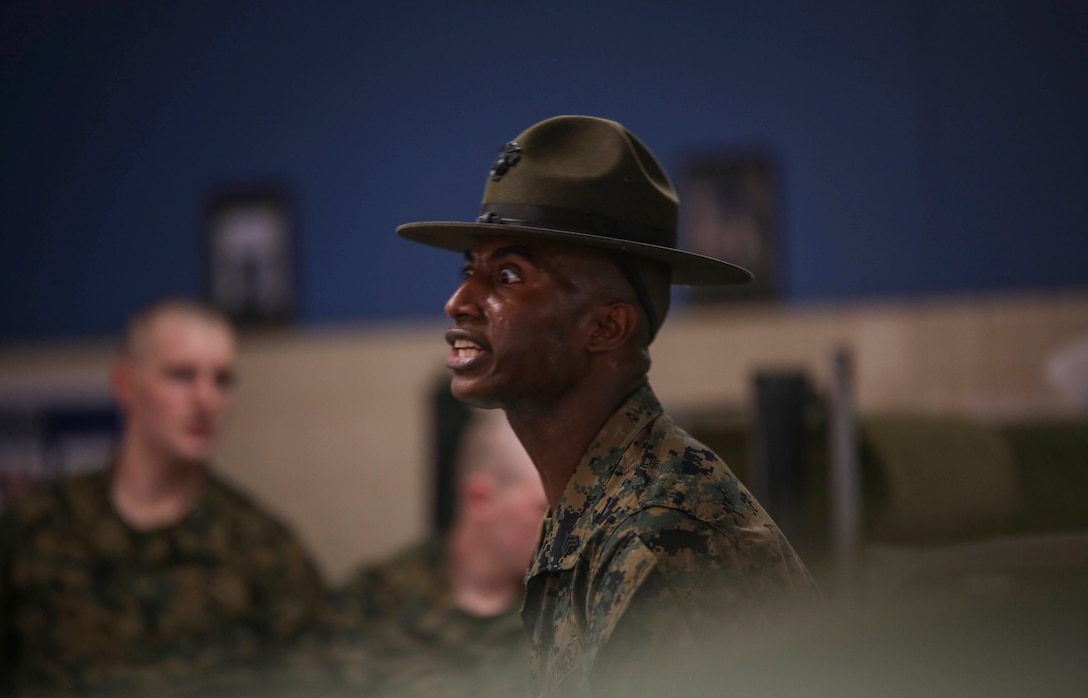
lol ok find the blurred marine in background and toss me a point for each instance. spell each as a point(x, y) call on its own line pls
point(441, 618)
point(153, 570)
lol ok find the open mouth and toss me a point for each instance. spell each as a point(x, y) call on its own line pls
point(464, 352)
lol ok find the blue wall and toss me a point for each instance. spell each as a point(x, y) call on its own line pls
point(926, 147)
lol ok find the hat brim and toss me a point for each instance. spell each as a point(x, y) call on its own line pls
point(688, 268)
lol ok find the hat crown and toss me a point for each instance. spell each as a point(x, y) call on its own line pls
point(587, 181)
point(588, 174)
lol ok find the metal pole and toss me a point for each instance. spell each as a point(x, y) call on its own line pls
point(844, 472)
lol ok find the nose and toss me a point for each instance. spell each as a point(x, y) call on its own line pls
point(209, 394)
point(463, 302)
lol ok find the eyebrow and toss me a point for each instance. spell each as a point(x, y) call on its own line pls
point(507, 251)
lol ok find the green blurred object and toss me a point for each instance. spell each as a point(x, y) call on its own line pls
point(1009, 478)
point(1052, 460)
point(947, 478)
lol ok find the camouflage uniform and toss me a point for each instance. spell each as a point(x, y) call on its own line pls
point(654, 553)
point(88, 603)
point(396, 629)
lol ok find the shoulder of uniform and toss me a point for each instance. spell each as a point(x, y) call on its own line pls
point(668, 445)
point(668, 468)
point(384, 588)
point(240, 510)
point(680, 542)
point(64, 498)
point(405, 565)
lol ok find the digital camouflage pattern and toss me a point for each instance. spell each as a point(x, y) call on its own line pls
point(654, 554)
point(396, 630)
point(88, 604)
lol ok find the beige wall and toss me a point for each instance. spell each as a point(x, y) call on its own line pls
point(332, 426)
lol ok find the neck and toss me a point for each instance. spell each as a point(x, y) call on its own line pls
point(557, 437)
point(480, 587)
point(150, 492)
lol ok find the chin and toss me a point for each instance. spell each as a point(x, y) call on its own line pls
point(193, 456)
point(193, 460)
point(464, 390)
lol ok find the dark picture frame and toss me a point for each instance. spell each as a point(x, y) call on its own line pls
point(250, 252)
point(730, 212)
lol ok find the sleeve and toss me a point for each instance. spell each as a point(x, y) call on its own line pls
point(672, 592)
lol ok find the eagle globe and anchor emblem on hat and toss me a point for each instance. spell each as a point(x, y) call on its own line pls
point(509, 155)
point(582, 180)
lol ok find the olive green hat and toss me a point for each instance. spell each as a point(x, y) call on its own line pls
point(583, 180)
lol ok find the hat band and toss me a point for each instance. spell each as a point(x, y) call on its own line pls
point(572, 221)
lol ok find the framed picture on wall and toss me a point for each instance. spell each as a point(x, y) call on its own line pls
point(730, 211)
point(250, 254)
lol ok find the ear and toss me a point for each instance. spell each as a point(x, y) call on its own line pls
point(121, 382)
point(614, 324)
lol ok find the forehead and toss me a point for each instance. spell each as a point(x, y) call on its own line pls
point(541, 252)
point(182, 335)
point(491, 443)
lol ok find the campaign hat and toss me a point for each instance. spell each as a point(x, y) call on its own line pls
point(583, 180)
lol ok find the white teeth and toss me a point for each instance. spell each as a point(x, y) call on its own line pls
point(466, 349)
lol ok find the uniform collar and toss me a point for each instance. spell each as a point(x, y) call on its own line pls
point(561, 540)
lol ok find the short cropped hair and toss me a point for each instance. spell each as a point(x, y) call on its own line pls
point(650, 285)
point(140, 322)
point(479, 449)
point(657, 280)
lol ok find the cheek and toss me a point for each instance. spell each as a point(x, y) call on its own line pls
point(551, 336)
point(556, 354)
point(223, 400)
point(165, 404)
point(519, 345)
point(530, 507)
